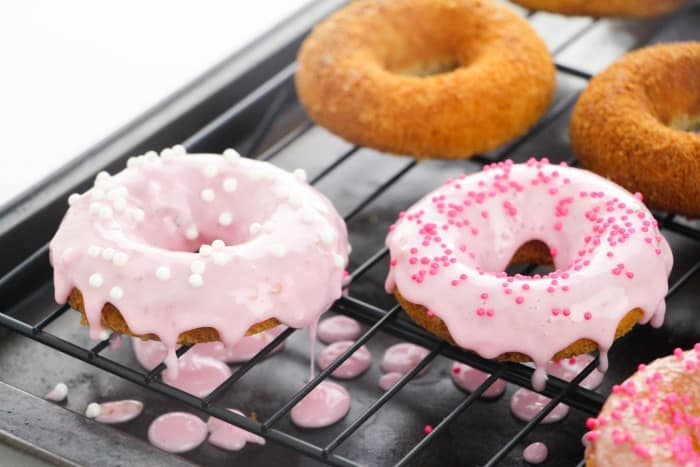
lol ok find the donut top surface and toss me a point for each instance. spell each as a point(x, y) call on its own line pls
point(180, 242)
point(449, 252)
point(651, 418)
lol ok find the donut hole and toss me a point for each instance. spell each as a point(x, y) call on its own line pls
point(686, 123)
point(423, 70)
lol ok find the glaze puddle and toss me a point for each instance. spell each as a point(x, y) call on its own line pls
point(402, 357)
point(198, 375)
point(323, 406)
point(354, 366)
point(526, 404)
point(338, 328)
point(535, 453)
point(119, 411)
point(230, 437)
point(469, 379)
point(177, 432)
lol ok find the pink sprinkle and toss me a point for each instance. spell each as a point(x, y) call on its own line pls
point(480, 311)
point(557, 225)
point(553, 251)
point(392, 262)
point(519, 300)
point(591, 423)
point(629, 274)
point(565, 311)
point(463, 277)
point(490, 312)
point(678, 352)
point(428, 429)
point(454, 283)
point(430, 314)
point(555, 311)
point(551, 289)
point(484, 214)
point(413, 250)
point(593, 435)
point(587, 315)
point(639, 196)
point(642, 451)
point(526, 287)
point(484, 295)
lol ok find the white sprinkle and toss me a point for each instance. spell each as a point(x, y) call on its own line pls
point(326, 236)
point(166, 153)
point(121, 191)
point(210, 170)
point(94, 251)
point(103, 176)
point(151, 156)
point(295, 200)
point(231, 155)
point(132, 162)
point(138, 214)
point(97, 194)
point(58, 393)
point(308, 216)
point(269, 227)
point(221, 259)
point(225, 219)
point(300, 174)
point(205, 250)
point(72, 199)
point(163, 273)
point(255, 228)
point(278, 250)
point(96, 280)
point(208, 195)
point(196, 280)
point(105, 212)
point(108, 254)
point(229, 184)
point(192, 232)
point(179, 150)
point(198, 266)
point(116, 293)
point(95, 208)
point(218, 244)
point(93, 410)
point(104, 335)
point(338, 260)
point(119, 204)
point(120, 259)
point(282, 191)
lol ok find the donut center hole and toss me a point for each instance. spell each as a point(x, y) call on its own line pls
point(532, 257)
point(686, 123)
point(425, 69)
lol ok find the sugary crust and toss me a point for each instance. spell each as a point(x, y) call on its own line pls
point(113, 319)
point(622, 125)
point(531, 252)
point(357, 76)
point(622, 8)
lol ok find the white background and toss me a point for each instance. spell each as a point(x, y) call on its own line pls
point(73, 71)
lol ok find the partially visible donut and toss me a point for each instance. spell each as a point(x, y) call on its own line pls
point(449, 252)
point(432, 78)
point(653, 418)
point(634, 122)
point(195, 248)
point(622, 8)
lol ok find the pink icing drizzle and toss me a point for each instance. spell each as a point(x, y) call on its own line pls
point(449, 251)
point(323, 406)
point(338, 328)
point(177, 432)
point(526, 404)
point(133, 239)
point(198, 375)
point(353, 367)
point(402, 357)
point(230, 437)
point(470, 379)
point(119, 411)
point(535, 453)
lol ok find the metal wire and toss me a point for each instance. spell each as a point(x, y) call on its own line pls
point(277, 89)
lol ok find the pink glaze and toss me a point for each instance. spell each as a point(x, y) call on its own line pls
point(447, 256)
point(230, 437)
point(198, 375)
point(526, 404)
point(115, 341)
point(177, 432)
point(387, 380)
point(569, 368)
point(402, 357)
point(353, 367)
point(338, 328)
point(470, 379)
point(535, 453)
point(323, 406)
point(180, 242)
point(119, 411)
point(652, 418)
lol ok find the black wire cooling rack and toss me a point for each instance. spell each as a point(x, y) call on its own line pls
point(277, 90)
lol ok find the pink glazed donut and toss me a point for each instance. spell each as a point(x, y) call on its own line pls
point(449, 252)
point(193, 248)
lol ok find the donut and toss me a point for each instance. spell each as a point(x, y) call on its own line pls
point(652, 418)
point(431, 78)
point(449, 251)
point(621, 8)
point(188, 248)
point(633, 124)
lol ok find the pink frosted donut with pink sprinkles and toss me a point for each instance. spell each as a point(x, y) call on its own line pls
point(653, 418)
point(449, 252)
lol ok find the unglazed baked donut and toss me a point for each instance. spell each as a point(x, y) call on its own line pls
point(634, 122)
point(652, 418)
point(432, 78)
point(194, 248)
point(622, 8)
point(450, 249)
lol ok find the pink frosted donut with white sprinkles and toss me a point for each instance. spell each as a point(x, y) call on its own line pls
point(653, 418)
point(203, 245)
point(449, 252)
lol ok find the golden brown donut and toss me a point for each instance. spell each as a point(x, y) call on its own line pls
point(622, 8)
point(432, 78)
point(652, 418)
point(534, 252)
point(632, 125)
point(113, 319)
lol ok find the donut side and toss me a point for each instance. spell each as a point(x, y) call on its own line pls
point(620, 8)
point(623, 124)
point(113, 319)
